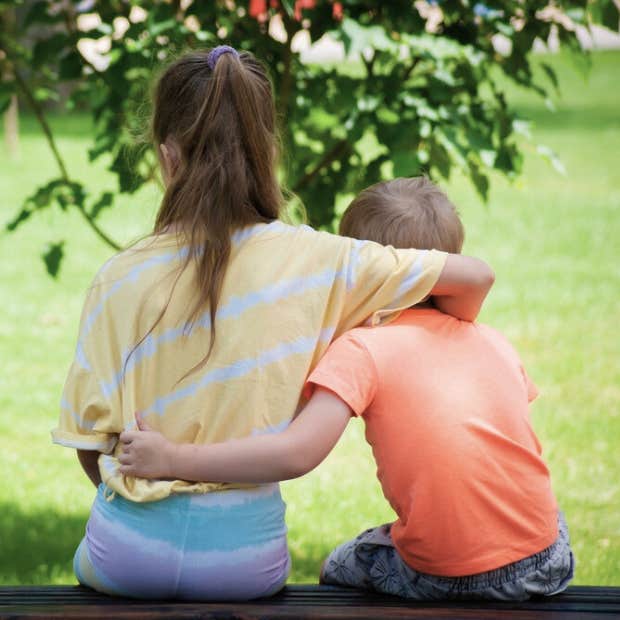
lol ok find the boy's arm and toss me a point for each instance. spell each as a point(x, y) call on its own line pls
point(263, 458)
point(88, 460)
point(462, 286)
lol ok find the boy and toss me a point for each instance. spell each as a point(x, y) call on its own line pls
point(445, 403)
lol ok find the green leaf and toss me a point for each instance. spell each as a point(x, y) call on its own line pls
point(19, 219)
point(160, 27)
point(70, 67)
point(368, 103)
point(358, 38)
point(368, 147)
point(550, 155)
point(405, 163)
point(45, 94)
point(105, 201)
point(52, 256)
point(289, 7)
point(488, 157)
point(43, 196)
point(550, 105)
point(104, 142)
point(509, 160)
point(7, 90)
point(440, 159)
point(551, 74)
point(577, 14)
point(128, 178)
point(38, 14)
point(480, 181)
point(49, 48)
point(449, 138)
point(387, 116)
point(610, 15)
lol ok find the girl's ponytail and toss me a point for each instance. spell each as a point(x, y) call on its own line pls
point(221, 123)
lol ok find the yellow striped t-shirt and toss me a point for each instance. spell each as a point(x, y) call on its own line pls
point(287, 293)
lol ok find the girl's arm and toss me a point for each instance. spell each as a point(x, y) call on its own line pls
point(263, 458)
point(382, 279)
point(462, 286)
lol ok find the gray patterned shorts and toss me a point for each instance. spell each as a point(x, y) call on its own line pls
point(371, 562)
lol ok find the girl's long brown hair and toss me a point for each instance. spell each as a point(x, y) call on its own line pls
point(222, 124)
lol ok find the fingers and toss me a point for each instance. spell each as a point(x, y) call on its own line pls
point(125, 459)
point(127, 466)
point(126, 437)
point(127, 470)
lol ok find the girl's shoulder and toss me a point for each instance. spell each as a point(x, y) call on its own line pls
point(144, 256)
point(304, 231)
point(296, 240)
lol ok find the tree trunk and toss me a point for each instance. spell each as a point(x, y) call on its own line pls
point(11, 128)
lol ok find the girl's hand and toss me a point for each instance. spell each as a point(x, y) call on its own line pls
point(146, 453)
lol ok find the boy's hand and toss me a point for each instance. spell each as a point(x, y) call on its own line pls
point(146, 453)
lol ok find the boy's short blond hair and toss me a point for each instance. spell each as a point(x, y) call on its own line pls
point(405, 213)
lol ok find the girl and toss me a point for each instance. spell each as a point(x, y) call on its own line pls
point(210, 327)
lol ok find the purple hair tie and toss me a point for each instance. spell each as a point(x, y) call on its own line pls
point(216, 52)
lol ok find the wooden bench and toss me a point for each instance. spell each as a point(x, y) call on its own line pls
point(302, 601)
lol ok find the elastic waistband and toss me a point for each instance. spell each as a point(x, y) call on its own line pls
point(225, 497)
point(516, 570)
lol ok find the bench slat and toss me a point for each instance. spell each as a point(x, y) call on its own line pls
point(303, 601)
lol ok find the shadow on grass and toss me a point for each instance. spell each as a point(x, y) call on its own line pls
point(37, 547)
point(307, 560)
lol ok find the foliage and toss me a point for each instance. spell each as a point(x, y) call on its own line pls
point(420, 93)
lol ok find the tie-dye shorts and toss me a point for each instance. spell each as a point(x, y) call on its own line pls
point(228, 545)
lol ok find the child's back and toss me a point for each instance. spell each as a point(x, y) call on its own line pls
point(445, 403)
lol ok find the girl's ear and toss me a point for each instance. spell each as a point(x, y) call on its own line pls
point(169, 157)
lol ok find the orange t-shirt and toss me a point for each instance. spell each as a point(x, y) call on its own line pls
point(445, 404)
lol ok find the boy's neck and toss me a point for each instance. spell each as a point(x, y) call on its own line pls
point(427, 303)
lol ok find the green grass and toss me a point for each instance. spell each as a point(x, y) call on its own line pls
point(552, 240)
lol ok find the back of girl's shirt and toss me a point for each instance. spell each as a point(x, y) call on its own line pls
point(445, 403)
point(288, 291)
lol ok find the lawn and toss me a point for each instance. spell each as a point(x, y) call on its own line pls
point(552, 239)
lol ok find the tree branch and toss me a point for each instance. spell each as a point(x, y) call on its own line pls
point(40, 114)
point(410, 68)
point(38, 111)
point(334, 153)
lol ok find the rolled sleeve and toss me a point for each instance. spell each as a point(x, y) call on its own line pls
point(101, 442)
point(86, 421)
point(382, 281)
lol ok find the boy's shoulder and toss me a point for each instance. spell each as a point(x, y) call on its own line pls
point(498, 339)
point(429, 322)
point(397, 330)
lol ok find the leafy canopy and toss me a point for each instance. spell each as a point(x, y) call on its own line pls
point(418, 94)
